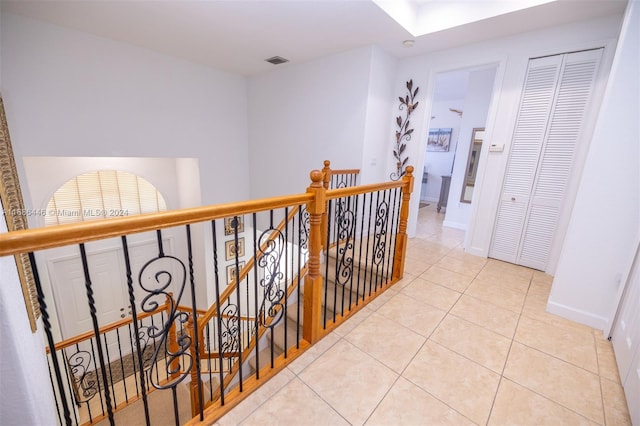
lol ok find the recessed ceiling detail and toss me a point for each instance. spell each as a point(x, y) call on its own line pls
point(276, 60)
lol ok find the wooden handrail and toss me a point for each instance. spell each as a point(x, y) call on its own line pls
point(345, 172)
point(332, 194)
point(105, 329)
point(30, 240)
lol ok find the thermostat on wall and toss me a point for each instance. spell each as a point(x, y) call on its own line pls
point(496, 147)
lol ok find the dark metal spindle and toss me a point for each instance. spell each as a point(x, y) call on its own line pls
point(113, 390)
point(96, 330)
point(50, 342)
point(136, 329)
point(255, 285)
point(238, 300)
point(364, 202)
point(326, 269)
point(366, 267)
point(194, 308)
point(55, 397)
point(124, 381)
point(219, 310)
point(286, 279)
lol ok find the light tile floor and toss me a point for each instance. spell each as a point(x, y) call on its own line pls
point(460, 340)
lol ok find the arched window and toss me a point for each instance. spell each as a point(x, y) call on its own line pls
point(101, 194)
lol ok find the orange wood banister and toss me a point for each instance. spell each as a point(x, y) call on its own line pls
point(110, 327)
point(30, 240)
point(313, 280)
point(401, 237)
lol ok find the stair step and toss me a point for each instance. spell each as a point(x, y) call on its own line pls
point(278, 341)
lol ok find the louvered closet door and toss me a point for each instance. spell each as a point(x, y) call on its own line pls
point(555, 98)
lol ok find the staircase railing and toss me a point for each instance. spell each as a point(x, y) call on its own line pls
point(272, 312)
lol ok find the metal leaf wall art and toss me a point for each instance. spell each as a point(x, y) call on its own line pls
point(403, 133)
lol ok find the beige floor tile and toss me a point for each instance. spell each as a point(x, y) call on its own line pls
point(387, 341)
point(433, 294)
point(615, 403)
point(607, 365)
point(407, 404)
point(474, 342)
point(346, 327)
point(313, 353)
point(538, 311)
point(460, 383)
point(404, 282)
point(290, 404)
point(564, 383)
point(449, 279)
point(539, 276)
point(256, 399)
point(368, 381)
point(498, 294)
point(576, 347)
point(468, 266)
point(479, 312)
point(516, 405)
point(416, 267)
point(513, 282)
point(383, 298)
point(509, 268)
point(413, 314)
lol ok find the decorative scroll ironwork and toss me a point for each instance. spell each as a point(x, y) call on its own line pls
point(403, 134)
point(84, 380)
point(156, 279)
point(229, 329)
point(304, 229)
point(345, 228)
point(271, 243)
point(380, 232)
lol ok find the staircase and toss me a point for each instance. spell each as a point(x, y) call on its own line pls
point(312, 260)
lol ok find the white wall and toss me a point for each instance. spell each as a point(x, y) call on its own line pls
point(512, 54)
point(69, 93)
point(476, 106)
point(304, 114)
point(24, 380)
point(604, 228)
point(377, 146)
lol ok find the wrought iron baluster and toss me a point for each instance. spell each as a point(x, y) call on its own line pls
point(195, 328)
point(124, 381)
point(255, 285)
point(219, 310)
point(136, 329)
point(96, 330)
point(369, 245)
point(55, 396)
point(325, 281)
point(50, 342)
point(113, 391)
point(362, 236)
point(286, 279)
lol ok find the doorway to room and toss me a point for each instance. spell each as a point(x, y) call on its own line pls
point(454, 144)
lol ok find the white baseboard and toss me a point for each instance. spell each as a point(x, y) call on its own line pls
point(586, 318)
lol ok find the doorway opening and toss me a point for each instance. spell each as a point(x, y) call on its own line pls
point(455, 142)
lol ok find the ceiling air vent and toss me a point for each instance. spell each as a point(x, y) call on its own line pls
point(276, 60)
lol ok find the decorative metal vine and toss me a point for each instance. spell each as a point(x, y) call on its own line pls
point(380, 232)
point(85, 382)
point(403, 133)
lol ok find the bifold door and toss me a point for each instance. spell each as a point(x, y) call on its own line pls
point(555, 98)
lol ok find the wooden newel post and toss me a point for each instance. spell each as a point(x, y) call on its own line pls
point(311, 330)
point(193, 388)
point(401, 238)
point(326, 179)
point(173, 339)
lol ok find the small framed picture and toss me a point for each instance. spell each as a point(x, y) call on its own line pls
point(231, 271)
point(231, 251)
point(439, 140)
point(233, 222)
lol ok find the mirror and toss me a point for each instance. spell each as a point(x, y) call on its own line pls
point(472, 165)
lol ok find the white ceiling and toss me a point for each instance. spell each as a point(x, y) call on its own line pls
point(237, 35)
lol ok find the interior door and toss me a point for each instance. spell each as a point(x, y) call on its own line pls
point(109, 292)
point(555, 98)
